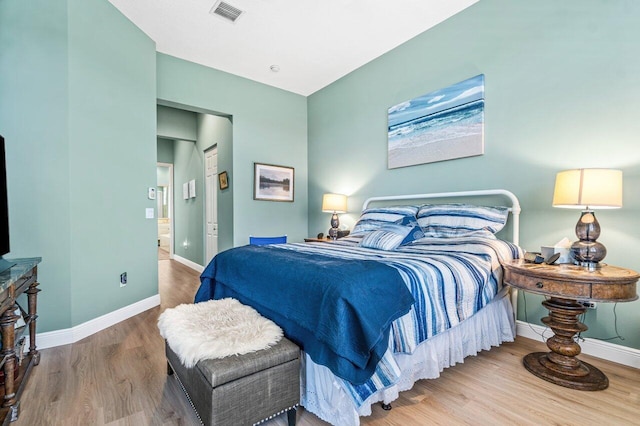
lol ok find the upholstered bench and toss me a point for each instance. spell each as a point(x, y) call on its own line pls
point(242, 389)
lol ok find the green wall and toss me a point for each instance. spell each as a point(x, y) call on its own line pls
point(269, 126)
point(560, 89)
point(78, 103)
point(163, 176)
point(111, 128)
point(176, 123)
point(33, 120)
point(188, 218)
point(165, 151)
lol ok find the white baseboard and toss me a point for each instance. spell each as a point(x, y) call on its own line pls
point(71, 335)
point(605, 350)
point(187, 262)
point(67, 336)
point(598, 348)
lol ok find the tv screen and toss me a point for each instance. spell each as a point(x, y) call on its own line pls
point(4, 205)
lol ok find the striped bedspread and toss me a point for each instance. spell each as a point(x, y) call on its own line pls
point(450, 278)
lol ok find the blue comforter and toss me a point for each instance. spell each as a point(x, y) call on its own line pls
point(338, 310)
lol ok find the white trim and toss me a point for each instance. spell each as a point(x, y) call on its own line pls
point(54, 338)
point(594, 347)
point(189, 263)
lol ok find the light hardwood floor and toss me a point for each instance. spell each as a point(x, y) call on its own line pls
point(118, 377)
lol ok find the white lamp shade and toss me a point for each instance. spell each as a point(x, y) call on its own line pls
point(334, 203)
point(592, 188)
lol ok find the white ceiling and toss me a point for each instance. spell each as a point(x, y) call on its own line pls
point(313, 42)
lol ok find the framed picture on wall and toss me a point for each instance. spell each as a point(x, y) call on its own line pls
point(223, 180)
point(272, 183)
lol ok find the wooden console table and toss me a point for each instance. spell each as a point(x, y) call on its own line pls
point(20, 278)
point(565, 285)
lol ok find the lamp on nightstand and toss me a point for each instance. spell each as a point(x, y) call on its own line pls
point(334, 203)
point(588, 189)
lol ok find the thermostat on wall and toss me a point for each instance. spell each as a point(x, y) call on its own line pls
point(152, 193)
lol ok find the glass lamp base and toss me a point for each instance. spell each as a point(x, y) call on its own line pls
point(335, 223)
point(333, 233)
point(588, 251)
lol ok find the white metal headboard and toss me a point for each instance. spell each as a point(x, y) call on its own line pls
point(514, 208)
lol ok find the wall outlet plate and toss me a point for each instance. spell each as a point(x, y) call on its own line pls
point(588, 304)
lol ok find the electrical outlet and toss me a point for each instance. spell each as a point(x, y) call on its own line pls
point(123, 279)
point(588, 304)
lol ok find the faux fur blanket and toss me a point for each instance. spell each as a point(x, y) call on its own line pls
point(216, 329)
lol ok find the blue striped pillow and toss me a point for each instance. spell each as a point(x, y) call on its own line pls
point(415, 233)
point(389, 237)
point(375, 218)
point(452, 220)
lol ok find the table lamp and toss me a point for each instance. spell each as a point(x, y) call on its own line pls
point(588, 189)
point(334, 203)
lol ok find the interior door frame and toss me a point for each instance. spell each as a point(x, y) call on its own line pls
point(171, 212)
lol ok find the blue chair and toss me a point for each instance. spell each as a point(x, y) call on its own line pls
point(261, 241)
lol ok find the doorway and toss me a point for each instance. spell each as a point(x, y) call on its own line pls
point(201, 225)
point(164, 210)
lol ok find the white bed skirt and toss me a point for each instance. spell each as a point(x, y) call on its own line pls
point(323, 394)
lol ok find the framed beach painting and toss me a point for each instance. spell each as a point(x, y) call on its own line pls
point(441, 125)
point(272, 183)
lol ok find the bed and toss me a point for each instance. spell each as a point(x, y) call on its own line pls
point(414, 289)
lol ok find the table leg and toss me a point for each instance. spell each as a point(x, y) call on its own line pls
point(32, 294)
point(561, 366)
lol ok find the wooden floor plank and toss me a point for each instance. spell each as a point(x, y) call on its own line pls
point(118, 377)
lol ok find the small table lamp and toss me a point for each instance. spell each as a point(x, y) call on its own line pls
point(586, 189)
point(334, 203)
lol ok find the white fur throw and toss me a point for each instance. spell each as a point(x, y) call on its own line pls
point(216, 329)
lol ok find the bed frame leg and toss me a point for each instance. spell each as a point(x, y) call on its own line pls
point(385, 407)
point(291, 417)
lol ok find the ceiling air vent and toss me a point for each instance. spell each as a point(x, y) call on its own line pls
point(226, 11)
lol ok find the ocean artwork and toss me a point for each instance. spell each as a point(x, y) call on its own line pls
point(439, 126)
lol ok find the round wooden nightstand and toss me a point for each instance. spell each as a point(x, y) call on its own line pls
point(565, 285)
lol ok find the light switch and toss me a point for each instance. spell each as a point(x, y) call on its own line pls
point(149, 213)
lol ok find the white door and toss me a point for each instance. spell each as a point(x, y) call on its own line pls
point(211, 202)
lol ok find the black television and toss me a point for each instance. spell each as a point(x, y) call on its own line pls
point(4, 210)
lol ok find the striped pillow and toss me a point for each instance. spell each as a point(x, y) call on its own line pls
point(373, 219)
point(389, 237)
point(452, 220)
